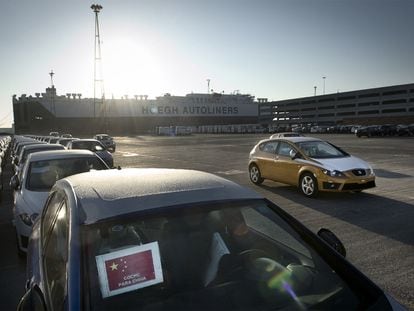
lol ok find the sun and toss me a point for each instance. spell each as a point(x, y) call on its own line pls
point(129, 68)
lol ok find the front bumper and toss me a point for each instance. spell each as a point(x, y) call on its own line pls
point(339, 184)
point(23, 233)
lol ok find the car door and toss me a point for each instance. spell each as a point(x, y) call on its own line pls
point(266, 158)
point(286, 168)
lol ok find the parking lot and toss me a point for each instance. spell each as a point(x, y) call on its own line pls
point(376, 226)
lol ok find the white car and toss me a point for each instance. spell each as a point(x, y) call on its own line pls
point(21, 158)
point(31, 187)
point(286, 134)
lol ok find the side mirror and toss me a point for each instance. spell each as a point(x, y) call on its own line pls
point(32, 300)
point(329, 237)
point(294, 155)
point(14, 182)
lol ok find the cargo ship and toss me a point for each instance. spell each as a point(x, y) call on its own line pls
point(71, 113)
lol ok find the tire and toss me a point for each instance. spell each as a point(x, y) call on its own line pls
point(308, 185)
point(255, 175)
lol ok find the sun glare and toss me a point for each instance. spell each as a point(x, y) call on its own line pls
point(129, 68)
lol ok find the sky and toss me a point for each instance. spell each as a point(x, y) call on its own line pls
point(275, 49)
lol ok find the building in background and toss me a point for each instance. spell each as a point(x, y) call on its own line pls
point(384, 105)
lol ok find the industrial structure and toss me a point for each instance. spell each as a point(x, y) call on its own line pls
point(391, 104)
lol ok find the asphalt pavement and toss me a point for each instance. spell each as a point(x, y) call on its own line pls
point(376, 225)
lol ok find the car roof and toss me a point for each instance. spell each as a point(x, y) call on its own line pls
point(86, 139)
point(108, 193)
point(293, 139)
point(59, 154)
point(43, 146)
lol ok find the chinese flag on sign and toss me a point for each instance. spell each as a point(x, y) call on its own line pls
point(130, 270)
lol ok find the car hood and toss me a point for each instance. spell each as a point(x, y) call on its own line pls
point(342, 164)
point(34, 201)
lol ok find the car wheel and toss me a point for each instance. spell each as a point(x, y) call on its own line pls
point(308, 185)
point(255, 175)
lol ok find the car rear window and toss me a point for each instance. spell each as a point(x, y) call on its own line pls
point(226, 258)
point(43, 174)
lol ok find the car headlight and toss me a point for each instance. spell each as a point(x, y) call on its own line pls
point(371, 171)
point(334, 173)
point(28, 219)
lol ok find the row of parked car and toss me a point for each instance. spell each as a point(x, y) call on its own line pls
point(385, 130)
point(38, 163)
point(171, 239)
point(4, 146)
point(358, 130)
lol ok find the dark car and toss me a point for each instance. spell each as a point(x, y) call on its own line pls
point(94, 146)
point(107, 141)
point(368, 131)
point(163, 239)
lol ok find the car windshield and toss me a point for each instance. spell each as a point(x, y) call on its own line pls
point(214, 258)
point(320, 150)
point(43, 174)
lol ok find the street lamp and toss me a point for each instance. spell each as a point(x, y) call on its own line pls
point(324, 77)
point(314, 94)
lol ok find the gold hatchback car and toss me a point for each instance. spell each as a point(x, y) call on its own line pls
point(309, 163)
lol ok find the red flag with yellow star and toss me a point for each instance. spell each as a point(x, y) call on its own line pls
point(129, 269)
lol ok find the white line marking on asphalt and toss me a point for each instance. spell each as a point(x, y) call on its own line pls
point(231, 172)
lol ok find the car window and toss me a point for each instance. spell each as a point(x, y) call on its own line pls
point(284, 149)
point(232, 257)
point(51, 207)
point(269, 147)
point(55, 256)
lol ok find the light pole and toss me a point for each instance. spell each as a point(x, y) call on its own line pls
point(208, 86)
point(97, 59)
point(314, 93)
point(324, 77)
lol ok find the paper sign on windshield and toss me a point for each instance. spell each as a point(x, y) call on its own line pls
point(129, 269)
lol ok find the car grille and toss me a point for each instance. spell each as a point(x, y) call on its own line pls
point(360, 172)
point(330, 186)
point(355, 186)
